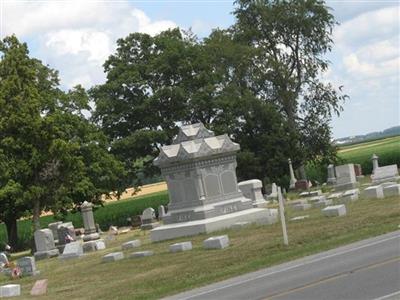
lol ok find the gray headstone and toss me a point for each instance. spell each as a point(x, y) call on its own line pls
point(216, 242)
point(345, 177)
point(141, 254)
point(148, 214)
point(65, 230)
point(374, 192)
point(53, 227)
point(334, 211)
point(161, 212)
point(251, 189)
point(27, 265)
point(131, 244)
point(72, 250)
point(10, 290)
point(44, 240)
point(114, 256)
point(178, 247)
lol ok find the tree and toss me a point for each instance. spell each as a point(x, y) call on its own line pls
point(51, 156)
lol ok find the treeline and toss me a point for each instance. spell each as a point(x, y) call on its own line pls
point(259, 81)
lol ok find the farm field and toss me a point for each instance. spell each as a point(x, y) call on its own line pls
point(388, 151)
point(251, 248)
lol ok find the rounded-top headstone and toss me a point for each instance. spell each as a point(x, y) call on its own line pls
point(148, 214)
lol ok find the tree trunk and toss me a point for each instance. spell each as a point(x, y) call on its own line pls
point(36, 215)
point(12, 233)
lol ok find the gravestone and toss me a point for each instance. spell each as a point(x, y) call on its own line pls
point(322, 203)
point(149, 219)
point(292, 178)
point(216, 242)
point(53, 227)
point(141, 254)
point(345, 177)
point(179, 247)
point(95, 245)
point(39, 288)
point(391, 190)
point(10, 290)
point(375, 163)
point(200, 171)
point(350, 195)
point(161, 212)
point(331, 175)
point(131, 244)
point(358, 171)
point(27, 265)
point(272, 192)
point(72, 250)
point(114, 256)
point(251, 189)
point(66, 233)
point(303, 206)
point(44, 243)
point(302, 183)
point(375, 192)
point(334, 211)
point(385, 173)
point(3, 259)
point(88, 222)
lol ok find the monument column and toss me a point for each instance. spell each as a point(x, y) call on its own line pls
point(331, 175)
point(88, 222)
point(375, 165)
point(292, 178)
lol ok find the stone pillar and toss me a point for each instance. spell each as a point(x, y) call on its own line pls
point(88, 222)
point(331, 175)
point(375, 165)
point(292, 178)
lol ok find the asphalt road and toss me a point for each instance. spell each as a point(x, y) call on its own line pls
point(369, 269)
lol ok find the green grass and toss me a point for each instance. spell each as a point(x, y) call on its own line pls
point(387, 149)
point(251, 248)
point(113, 213)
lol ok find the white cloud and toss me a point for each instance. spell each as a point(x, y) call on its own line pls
point(76, 36)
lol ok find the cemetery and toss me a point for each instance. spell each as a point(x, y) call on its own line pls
point(345, 200)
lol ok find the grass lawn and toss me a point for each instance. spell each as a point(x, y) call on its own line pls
point(251, 248)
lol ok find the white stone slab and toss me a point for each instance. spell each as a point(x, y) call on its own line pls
point(385, 173)
point(10, 290)
point(316, 199)
point(141, 254)
point(131, 244)
point(322, 203)
point(304, 206)
point(391, 190)
point(178, 247)
point(335, 210)
point(216, 242)
point(300, 218)
point(315, 193)
point(335, 195)
point(375, 192)
point(72, 250)
point(113, 256)
point(100, 244)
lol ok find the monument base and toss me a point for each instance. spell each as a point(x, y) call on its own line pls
point(175, 230)
point(91, 237)
point(46, 254)
point(387, 179)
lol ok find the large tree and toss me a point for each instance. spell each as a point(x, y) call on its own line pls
point(51, 156)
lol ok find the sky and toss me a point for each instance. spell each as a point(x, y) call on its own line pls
point(75, 37)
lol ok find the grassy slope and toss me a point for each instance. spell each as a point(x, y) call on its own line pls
point(251, 249)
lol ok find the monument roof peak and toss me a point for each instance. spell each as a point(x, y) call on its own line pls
point(192, 132)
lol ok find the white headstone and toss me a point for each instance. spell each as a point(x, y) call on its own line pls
point(385, 173)
point(72, 250)
point(131, 244)
point(333, 211)
point(391, 190)
point(148, 214)
point(10, 290)
point(345, 177)
point(161, 212)
point(251, 189)
point(374, 192)
point(216, 242)
point(114, 256)
point(178, 247)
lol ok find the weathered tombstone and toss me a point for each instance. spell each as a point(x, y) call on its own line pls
point(375, 163)
point(331, 175)
point(391, 190)
point(161, 212)
point(200, 171)
point(179, 247)
point(374, 192)
point(10, 290)
point(303, 206)
point(72, 250)
point(114, 256)
point(88, 222)
point(358, 171)
point(131, 244)
point(251, 189)
point(44, 243)
point(385, 173)
point(39, 288)
point(302, 183)
point(141, 254)
point(322, 203)
point(292, 178)
point(95, 245)
point(149, 219)
point(350, 195)
point(216, 242)
point(66, 233)
point(334, 211)
point(345, 177)
point(53, 227)
point(3, 259)
point(274, 192)
point(27, 265)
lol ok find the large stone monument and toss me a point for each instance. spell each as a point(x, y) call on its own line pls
point(200, 171)
point(345, 177)
point(88, 222)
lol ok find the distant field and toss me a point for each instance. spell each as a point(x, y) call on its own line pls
point(388, 151)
